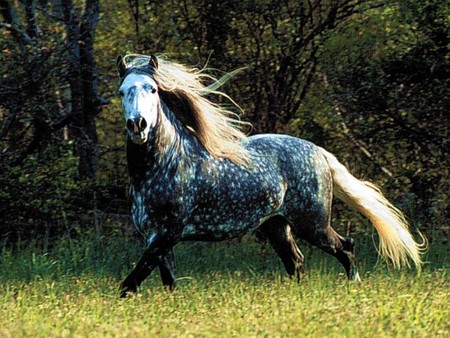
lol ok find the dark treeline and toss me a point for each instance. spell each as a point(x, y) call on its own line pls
point(368, 80)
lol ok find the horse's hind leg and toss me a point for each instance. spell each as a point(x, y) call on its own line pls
point(340, 247)
point(278, 233)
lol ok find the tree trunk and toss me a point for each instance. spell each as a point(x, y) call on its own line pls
point(92, 102)
point(85, 101)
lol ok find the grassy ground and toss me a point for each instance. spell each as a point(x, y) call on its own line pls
point(236, 289)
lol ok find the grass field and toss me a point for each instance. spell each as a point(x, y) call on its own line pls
point(224, 289)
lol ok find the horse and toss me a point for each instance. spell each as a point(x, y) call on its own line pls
point(196, 176)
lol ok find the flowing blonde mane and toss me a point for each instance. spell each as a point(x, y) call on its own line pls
point(183, 90)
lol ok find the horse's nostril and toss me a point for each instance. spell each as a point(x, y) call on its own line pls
point(130, 124)
point(142, 123)
point(137, 124)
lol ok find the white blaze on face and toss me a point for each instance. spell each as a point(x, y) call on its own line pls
point(140, 100)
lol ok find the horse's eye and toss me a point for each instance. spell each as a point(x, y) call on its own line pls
point(149, 88)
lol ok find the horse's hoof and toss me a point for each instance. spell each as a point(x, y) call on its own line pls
point(356, 278)
point(126, 291)
point(170, 287)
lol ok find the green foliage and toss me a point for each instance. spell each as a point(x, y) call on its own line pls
point(384, 80)
point(43, 197)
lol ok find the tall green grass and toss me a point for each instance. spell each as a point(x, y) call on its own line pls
point(224, 289)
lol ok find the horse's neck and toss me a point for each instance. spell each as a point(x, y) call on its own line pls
point(163, 150)
point(139, 160)
point(182, 140)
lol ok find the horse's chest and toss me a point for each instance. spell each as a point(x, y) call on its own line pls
point(158, 203)
point(139, 208)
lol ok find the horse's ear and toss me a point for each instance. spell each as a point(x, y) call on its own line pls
point(121, 66)
point(153, 62)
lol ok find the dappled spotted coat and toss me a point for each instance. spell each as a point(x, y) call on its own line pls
point(216, 199)
point(196, 176)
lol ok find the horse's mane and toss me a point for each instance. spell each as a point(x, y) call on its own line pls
point(183, 90)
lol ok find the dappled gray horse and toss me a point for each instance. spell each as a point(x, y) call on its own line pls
point(196, 176)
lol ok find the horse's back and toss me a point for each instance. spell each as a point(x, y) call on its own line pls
point(294, 157)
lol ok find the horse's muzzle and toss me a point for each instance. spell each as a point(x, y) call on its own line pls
point(136, 124)
point(136, 129)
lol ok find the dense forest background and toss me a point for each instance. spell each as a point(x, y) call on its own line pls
point(368, 80)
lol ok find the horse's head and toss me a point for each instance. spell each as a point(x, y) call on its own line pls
point(140, 99)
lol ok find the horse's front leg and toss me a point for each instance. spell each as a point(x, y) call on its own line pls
point(159, 246)
point(167, 270)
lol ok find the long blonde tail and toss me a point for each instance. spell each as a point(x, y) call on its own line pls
point(396, 242)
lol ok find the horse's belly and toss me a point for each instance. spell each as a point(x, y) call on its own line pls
point(234, 212)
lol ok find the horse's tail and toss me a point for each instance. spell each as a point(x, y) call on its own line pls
point(396, 242)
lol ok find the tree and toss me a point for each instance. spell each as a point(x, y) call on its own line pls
point(48, 86)
point(390, 89)
point(278, 41)
point(366, 79)
point(49, 101)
